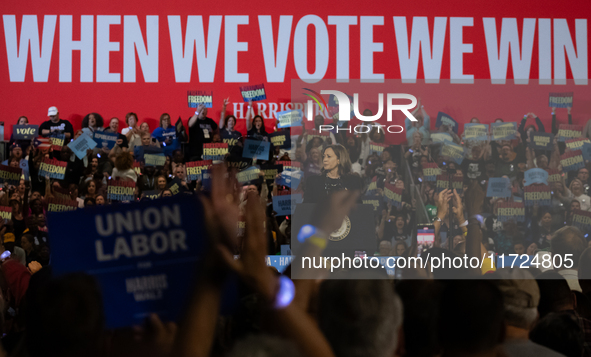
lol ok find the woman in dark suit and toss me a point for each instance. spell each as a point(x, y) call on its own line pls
point(335, 175)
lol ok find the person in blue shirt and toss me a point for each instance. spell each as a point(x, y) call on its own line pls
point(166, 135)
point(423, 124)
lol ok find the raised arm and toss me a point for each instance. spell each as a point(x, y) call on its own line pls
point(48, 193)
point(521, 128)
point(539, 123)
point(554, 123)
point(193, 119)
point(554, 162)
point(474, 236)
point(223, 115)
point(248, 116)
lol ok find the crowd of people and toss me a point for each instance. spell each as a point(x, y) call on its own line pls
point(541, 310)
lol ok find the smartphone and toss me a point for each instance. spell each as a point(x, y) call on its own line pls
point(360, 254)
point(425, 237)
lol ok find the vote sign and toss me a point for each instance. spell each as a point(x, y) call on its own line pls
point(142, 254)
point(25, 132)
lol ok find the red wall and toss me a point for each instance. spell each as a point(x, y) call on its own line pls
point(462, 101)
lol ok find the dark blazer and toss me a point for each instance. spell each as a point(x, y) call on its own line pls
point(314, 189)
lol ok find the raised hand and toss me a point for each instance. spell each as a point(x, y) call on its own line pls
point(458, 207)
point(476, 195)
point(443, 202)
point(251, 266)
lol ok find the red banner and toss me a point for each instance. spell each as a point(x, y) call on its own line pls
point(143, 56)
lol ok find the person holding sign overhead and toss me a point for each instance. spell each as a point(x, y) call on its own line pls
point(526, 132)
point(335, 175)
point(201, 130)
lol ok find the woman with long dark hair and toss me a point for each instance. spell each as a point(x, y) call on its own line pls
point(24, 144)
point(257, 129)
point(228, 131)
point(335, 175)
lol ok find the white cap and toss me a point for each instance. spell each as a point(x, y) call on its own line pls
point(52, 111)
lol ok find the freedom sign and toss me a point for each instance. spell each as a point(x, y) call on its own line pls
point(582, 220)
point(197, 97)
point(53, 168)
point(566, 131)
point(196, 169)
point(507, 211)
point(561, 100)
point(253, 93)
point(572, 160)
point(135, 251)
point(10, 175)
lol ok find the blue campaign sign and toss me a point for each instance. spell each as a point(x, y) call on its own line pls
point(103, 139)
point(25, 132)
point(142, 254)
point(444, 119)
point(80, 145)
point(498, 187)
point(285, 249)
point(503, 131)
point(290, 178)
point(289, 118)
point(285, 204)
point(536, 176)
point(477, 132)
point(279, 262)
point(248, 176)
point(255, 148)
